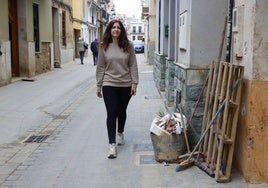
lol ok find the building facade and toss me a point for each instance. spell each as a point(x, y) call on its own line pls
point(92, 19)
point(26, 38)
point(37, 36)
point(189, 35)
point(136, 30)
point(62, 22)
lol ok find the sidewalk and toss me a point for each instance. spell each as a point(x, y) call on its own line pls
point(24, 112)
point(76, 129)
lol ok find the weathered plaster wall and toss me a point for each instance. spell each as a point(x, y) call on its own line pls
point(5, 63)
point(260, 48)
point(43, 63)
point(251, 151)
point(67, 55)
point(255, 41)
point(5, 54)
point(4, 20)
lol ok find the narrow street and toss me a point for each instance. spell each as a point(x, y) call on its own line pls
point(62, 106)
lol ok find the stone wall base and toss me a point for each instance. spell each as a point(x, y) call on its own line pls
point(188, 83)
point(67, 55)
point(42, 59)
point(169, 89)
point(151, 49)
point(159, 71)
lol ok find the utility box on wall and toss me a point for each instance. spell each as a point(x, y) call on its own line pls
point(238, 31)
point(183, 31)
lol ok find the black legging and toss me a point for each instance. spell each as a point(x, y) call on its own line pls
point(116, 100)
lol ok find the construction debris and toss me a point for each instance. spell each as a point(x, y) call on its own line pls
point(168, 124)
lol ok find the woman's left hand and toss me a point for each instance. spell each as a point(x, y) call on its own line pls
point(133, 91)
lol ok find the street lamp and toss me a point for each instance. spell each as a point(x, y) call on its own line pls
point(102, 4)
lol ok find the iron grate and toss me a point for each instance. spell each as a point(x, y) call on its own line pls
point(37, 138)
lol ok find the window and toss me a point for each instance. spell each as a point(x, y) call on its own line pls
point(63, 23)
point(134, 29)
point(140, 29)
point(36, 27)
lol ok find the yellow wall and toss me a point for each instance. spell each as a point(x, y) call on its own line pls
point(77, 13)
point(45, 20)
point(4, 36)
point(251, 153)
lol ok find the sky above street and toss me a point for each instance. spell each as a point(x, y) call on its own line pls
point(129, 7)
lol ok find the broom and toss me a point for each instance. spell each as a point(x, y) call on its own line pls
point(190, 161)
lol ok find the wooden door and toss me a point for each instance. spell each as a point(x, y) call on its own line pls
point(13, 36)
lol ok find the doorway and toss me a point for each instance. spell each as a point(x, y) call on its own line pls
point(77, 34)
point(13, 36)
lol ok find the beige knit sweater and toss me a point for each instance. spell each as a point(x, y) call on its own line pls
point(116, 68)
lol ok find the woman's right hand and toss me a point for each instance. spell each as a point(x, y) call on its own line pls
point(99, 94)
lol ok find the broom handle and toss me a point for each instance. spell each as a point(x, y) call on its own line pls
point(184, 131)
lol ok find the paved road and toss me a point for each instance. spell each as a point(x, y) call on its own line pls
point(62, 105)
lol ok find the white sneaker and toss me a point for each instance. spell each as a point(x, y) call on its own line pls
point(120, 139)
point(112, 151)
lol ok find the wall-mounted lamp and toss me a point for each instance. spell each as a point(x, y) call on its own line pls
point(102, 4)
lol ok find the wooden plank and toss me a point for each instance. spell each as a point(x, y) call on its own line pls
point(219, 168)
point(237, 98)
point(209, 101)
point(227, 142)
point(222, 95)
point(211, 138)
point(218, 143)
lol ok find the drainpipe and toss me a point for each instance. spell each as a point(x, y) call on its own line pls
point(229, 34)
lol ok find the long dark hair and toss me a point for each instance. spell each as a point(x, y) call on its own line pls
point(123, 41)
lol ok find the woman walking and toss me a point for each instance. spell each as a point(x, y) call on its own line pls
point(81, 49)
point(117, 80)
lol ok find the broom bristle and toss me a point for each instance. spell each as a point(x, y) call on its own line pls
point(185, 164)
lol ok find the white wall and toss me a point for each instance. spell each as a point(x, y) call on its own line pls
point(254, 31)
point(204, 25)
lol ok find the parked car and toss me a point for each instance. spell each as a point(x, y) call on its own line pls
point(138, 46)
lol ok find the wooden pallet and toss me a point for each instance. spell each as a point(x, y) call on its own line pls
point(224, 87)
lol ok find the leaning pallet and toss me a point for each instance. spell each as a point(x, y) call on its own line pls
point(224, 87)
